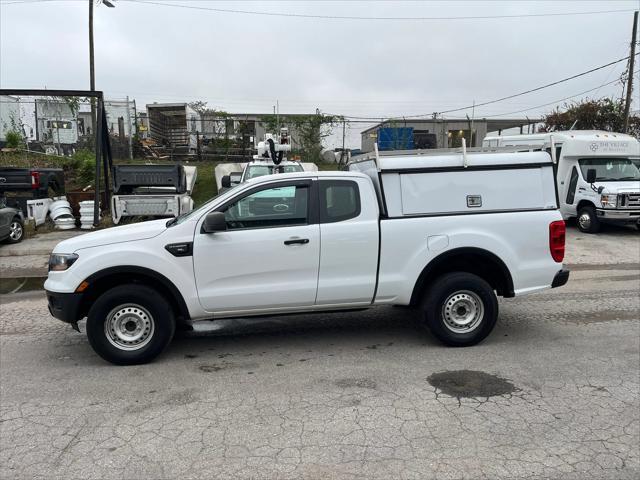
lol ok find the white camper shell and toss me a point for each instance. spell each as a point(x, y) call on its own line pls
point(612, 195)
point(424, 183)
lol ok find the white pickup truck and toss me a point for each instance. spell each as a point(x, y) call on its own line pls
point(444, 234)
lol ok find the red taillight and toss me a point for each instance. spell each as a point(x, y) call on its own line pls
point(557, 231)
point(35, 180)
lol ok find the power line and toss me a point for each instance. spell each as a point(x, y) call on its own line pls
point(556, 101)
point(508, 97)
point(354, 17)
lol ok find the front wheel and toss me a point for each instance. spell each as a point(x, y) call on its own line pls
point(588, 220)
point(130, 324)
point(460, 309)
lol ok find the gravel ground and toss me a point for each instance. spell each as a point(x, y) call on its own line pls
point(552, 393)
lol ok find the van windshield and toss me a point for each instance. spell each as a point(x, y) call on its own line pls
point(610, 169)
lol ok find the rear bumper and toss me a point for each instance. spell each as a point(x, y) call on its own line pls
point(65, 306)
point(561, 278)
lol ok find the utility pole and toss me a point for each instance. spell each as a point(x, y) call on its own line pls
point(131, 131)
point(92, 73)
point(627, 104)
point(344, 125)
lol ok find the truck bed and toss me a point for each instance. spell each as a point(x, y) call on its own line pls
point(128, 177)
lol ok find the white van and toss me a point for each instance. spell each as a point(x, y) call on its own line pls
point(597, 173)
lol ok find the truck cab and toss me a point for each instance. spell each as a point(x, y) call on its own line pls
point(597, 174)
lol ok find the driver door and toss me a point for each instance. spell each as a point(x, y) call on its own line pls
point(268, 258)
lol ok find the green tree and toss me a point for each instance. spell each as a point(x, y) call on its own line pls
point(306, 131)
point(602, 114)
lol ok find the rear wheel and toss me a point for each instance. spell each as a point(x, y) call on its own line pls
point(460, 309)
point(588, 220)
point(16, 230)
point(130, 324)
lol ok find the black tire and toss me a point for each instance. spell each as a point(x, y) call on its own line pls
point(588, 221)
point(443, 305)
point(17, 230)
point(139, 307)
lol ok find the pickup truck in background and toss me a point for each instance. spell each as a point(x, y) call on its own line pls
point(22, 184)
point(39, 182)
point(443, 233)
point(152, 190)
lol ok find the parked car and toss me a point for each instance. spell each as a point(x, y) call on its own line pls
point(11, 223)
point(443, 234)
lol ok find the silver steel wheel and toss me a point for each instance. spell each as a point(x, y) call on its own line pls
point(585, 221)
point(463, 311)
point(15, 232)
point(129, 327)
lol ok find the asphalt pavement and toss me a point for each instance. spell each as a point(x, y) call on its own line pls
point(552, 393)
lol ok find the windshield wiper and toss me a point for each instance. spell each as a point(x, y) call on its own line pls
point(629, 178)
point(172, 221)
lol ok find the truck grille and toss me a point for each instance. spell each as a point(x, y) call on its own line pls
point(630, 200)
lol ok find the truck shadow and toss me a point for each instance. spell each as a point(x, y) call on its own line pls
point(371, 329)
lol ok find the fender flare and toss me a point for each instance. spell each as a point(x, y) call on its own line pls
point(444, 257)
point(179, 303)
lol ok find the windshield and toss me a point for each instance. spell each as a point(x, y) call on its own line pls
point(194, 213)
point(255, 171)
point(610, 169)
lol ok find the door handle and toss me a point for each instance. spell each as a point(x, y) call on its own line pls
point(294, 241)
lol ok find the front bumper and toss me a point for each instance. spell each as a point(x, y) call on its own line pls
point(618, 216)
point(561, 278)
point(65, 306)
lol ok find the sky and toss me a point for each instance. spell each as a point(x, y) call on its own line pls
point(368, 67)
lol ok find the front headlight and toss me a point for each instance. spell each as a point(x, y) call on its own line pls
point(609, 201)
point(59, 262)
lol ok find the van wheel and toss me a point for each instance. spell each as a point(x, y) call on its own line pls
point(460, 309)
point(588, 220)
point(130, 324)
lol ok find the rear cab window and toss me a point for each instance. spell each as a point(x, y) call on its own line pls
point(339, 200)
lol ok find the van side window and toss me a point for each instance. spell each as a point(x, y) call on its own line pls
point(269, 208)
point(573, 181)
point(339, 200)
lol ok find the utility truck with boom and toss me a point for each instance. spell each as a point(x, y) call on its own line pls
point(270, 159)
point(444, 233)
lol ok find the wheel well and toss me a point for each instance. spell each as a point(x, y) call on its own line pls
point(584, 203)
point(472, 260)
point(102, 281)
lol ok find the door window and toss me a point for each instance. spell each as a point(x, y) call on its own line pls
point(273, 207)
point(573, 181)
point(339, 200)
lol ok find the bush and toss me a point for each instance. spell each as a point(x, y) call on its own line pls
point(14, 139)
point(83, 162)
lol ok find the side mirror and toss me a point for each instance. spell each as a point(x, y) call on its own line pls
point(226, 181)
point(214, 222)
point(591, 175)
point(235, 177)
